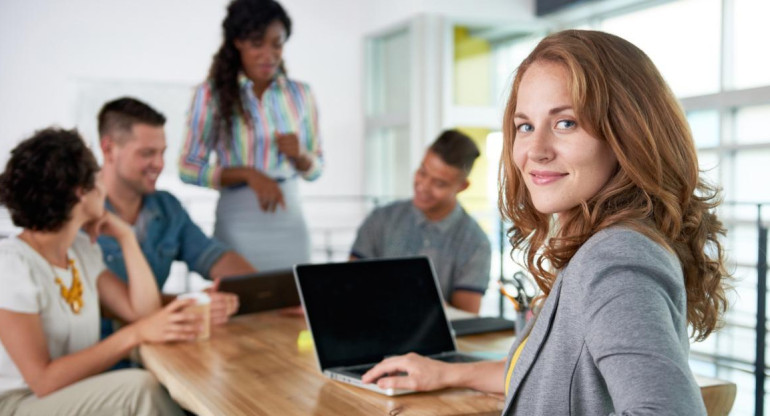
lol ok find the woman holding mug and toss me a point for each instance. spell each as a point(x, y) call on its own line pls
point(54, 286)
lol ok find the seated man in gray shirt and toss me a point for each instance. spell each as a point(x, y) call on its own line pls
point(433, 224)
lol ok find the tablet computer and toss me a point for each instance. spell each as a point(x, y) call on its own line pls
point(262, 291)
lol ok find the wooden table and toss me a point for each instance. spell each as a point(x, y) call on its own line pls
point(253, 366)
point(718, 395)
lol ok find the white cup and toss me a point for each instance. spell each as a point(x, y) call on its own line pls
point(202, 306)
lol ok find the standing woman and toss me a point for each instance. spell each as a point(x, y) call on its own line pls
point(54, 283)
point(600, 180)
point(263, 129)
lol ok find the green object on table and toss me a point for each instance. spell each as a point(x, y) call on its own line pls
point(304, 340)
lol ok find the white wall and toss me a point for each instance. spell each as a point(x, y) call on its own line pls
point(47, 47)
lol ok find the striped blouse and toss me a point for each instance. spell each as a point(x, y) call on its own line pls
point(286, 107)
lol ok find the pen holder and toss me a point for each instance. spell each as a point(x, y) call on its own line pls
point(521, 320)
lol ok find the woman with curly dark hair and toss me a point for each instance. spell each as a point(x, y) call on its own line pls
point(263, 128)
point(599, 177)
point(53, 282)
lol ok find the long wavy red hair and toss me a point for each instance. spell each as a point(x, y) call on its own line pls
point(621, 98)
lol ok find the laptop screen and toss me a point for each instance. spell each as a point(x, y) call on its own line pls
point(363, 311)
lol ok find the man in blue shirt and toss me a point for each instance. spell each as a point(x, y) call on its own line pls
point(133, 143)
point(433, 224)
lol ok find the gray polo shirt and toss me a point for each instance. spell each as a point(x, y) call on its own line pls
point(458, 248)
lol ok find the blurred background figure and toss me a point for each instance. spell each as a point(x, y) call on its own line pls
point(434, 224)
point(263, 128)
point(133, 143)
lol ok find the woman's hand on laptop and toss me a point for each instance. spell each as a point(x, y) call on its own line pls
point(412, 372)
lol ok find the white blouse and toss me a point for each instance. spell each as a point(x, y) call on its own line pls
point(27, 285)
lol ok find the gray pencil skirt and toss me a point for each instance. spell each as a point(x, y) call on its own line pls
point(268, 240)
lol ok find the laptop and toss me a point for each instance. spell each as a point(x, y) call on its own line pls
point(264, 291)
point(363, 311)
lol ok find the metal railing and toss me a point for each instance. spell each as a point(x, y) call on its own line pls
point(761, 326)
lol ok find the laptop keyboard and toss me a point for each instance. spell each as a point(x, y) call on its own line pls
point(359, 371)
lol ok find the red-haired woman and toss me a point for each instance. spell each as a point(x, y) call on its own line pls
point(600, 180)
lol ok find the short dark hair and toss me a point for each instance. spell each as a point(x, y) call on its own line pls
point(40, 182)
point(121, 114)
point(456, 149)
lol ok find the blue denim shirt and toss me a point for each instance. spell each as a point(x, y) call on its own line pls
point(167, 234)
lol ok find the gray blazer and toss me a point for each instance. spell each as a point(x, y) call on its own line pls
point(611, 338)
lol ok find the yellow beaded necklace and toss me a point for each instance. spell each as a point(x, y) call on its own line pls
point(74, 294)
